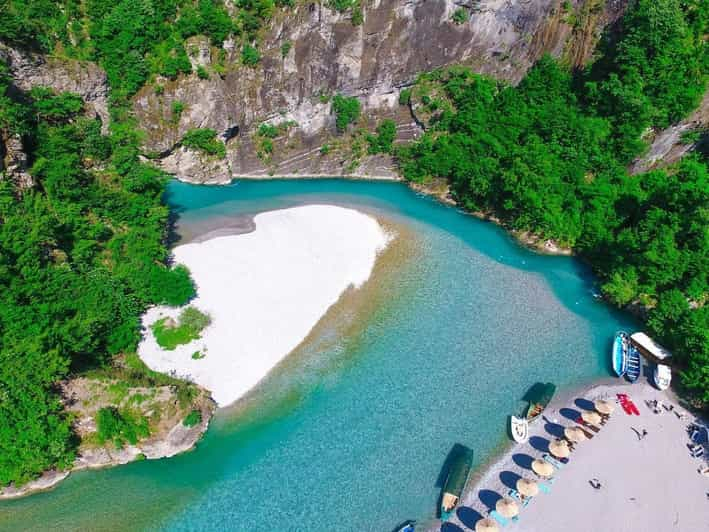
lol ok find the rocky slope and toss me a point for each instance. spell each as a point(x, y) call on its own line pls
point(163, 407)
point(372, 61)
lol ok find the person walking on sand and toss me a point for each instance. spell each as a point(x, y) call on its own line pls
point(644, 434)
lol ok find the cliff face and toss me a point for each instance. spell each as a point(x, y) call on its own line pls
point(83, 78)
point(310, 53)
point(325, 54)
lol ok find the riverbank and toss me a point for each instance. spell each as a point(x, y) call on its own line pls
point(647, 483)
point(265, 290)
point(165, 407)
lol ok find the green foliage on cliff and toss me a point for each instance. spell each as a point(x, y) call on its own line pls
point(383, 141)
point(82, 253)
point(133, 39)
point(120, 427)
point(204, 140)
point(550, 155)
point(346, 109)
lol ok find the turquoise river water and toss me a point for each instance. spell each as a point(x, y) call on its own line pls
point(352, 435)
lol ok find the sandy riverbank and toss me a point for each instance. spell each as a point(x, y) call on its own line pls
point(648, 484)
point(265, 290)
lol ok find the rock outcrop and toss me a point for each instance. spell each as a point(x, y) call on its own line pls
point(84, 78)
point(13, 162)
point(668, 146)
point(325, 54)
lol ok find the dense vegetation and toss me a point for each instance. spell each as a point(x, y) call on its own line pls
point(550, 156)
point(346, 109)
point(82, 253)
point(120, 427)
point(134, 39)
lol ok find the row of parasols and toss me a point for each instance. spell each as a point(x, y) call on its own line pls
point(559, 448)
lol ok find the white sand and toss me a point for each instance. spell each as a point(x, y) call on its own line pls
point(265, 291)
point(648, 484)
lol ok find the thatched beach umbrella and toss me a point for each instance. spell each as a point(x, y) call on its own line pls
point(542, 467)
point(591, 417)
point(603, 406)
point(527, 487)
point(574, 434)
point(559, 448)
point(507, 508)
point(486, 525)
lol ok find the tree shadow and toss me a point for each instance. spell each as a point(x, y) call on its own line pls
point(522, 460)
point(554, 429)
point(584, 404)
point(570, 413)
point(489, 498)
point(468, 516)
point(539, 443)
point(509, 479)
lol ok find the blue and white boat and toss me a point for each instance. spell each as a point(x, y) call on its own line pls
point(619, 353)
point(634, 364)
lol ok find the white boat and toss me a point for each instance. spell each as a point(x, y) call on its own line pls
point(662, 376)
point(519, 427)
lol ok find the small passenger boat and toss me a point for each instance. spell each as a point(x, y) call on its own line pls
point(662, 376)
point(633, 365)
point(519, 428)
point(455, 481)
point(539, 396)
point(619, 353)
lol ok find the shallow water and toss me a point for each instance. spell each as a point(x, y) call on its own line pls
point(352, 433)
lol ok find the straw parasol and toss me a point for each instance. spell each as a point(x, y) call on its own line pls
point(507, 508)
point(574, 434)
point(542, 467)
point(486, 525)
point(559, 448)
point(591, 417)
point(603, 406)
point(527, 487)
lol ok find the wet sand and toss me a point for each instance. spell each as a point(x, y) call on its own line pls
point(646, 484)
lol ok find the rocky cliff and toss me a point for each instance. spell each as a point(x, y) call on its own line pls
point(311, 52)
point(324, 54)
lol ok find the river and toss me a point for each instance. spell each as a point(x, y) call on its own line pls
point(351, 434)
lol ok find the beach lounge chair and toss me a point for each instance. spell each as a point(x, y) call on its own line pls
point(553, 461)
point(503, 521)
point(544, 487)
point(524, 501)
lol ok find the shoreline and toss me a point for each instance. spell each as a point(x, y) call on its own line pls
point(179, 439)
point(283, 277)
point(490, 479)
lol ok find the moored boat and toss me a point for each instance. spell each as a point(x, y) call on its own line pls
point(633, 365)
point(455, 481)
point(519, 428)
point(619, 353)
point(662, 376)
point(539, 396)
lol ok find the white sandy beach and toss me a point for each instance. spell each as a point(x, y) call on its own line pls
point(646, 484)
point(265, 291)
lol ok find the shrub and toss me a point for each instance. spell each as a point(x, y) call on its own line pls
point(347, 110)
point(460, 16)
point(405, 97)
point(250, 56)
point(193, 418)
point(119, 427)
point(285, 48)
point(177, 108)
point(202, 72)
point(189, 327)
point(204, 140)
point(383, 141)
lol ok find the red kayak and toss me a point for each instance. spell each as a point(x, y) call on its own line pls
point(627, 405)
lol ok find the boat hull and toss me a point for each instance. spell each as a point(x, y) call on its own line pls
point(519, 429)
point(662, 377)
point(619, 353)
point(634, 365)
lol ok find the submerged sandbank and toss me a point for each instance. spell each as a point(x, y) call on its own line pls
point(265, 291)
